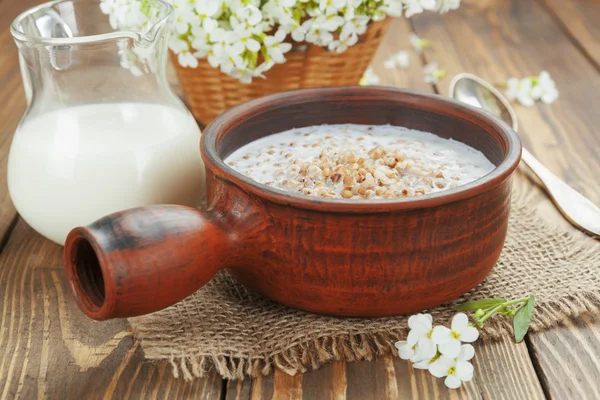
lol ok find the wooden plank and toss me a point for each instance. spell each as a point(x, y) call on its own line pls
point(131, 379)
point(497, 40)
point(504, 41)
point(579, 19)
point(567, 358)
point(48, 349)
point(504, 370)
point(396, 40)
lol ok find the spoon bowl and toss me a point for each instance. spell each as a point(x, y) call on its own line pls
point(579, 210)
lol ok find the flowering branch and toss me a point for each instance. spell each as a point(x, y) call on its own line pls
point(245, 38)
point(443, 352)
point(531, 89)
point(521, 310)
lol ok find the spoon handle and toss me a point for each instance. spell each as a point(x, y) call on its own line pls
point(572, 204)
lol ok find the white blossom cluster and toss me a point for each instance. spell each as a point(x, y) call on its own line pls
point(531, 89)
point(245, 38)
point(440, 350)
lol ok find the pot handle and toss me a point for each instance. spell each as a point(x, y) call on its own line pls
point(142, 260)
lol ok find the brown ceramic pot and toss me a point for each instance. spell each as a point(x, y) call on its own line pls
point(338, 257)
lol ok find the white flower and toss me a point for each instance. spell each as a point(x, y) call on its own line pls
point(178, 45)
point(449, 340)
point(245, 39)
point(222, 37)
point(418, 345)
point(443, 6)
point(207, 8)
point(210, 24)
point(187, 59)
point(370, 78)
point(456, 370)
point(200, 41)
point(182, 16)
point(231, 60)
point(264, 67)
point(275, 47)
point(316, 34)
point(520, 90)
point(294, 28)
point(545, 89)
point(417, 43)
point(250, 14)
point(329, 22)
point(109, 7)
point(433, 73)
point(227, 31)
point(393, 8)
point(398, 60)
point(418, 6)
point(356, 25)
point(244, 75)
point(333, 5)
point(346, 40)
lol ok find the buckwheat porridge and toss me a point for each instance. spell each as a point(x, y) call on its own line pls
point(359, 162)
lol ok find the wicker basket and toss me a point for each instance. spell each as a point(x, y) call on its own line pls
point(209, 92)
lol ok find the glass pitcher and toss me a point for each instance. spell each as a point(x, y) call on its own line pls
point(102, 131)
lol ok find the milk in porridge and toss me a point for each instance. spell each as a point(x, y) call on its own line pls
point(359, 162)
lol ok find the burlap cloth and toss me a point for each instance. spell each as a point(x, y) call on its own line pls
point(225, 327)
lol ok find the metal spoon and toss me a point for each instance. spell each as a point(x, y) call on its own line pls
point(580, 211)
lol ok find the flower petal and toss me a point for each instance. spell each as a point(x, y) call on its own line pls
point(399, 344)
point(253, 45)
point(460, 322)
point(419, 323)
point(450, 349)
point(467, 352)
point(464, 371)
point(439, 368)
point(452, 381)
point(423, 364)
point(389, 64)
point(413, 337)
point(441, 335)
point(426, 349)
point(406, 352)
point(468, 335)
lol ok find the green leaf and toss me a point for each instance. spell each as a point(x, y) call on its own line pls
point(478, 304)
point(523, 319)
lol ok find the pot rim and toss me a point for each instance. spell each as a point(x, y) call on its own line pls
point(236, 116)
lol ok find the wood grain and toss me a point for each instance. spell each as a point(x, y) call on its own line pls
point(567, 360)
point(49, 349)
point(504, 42)
point(495, 39)
point(579, 19)
point(504, 370)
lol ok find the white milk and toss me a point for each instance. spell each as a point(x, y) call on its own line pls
point(296, 161)
point(70, 167)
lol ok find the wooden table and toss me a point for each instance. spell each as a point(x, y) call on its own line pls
point(49, 350)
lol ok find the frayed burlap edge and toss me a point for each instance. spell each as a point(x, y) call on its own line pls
point(312, 352)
